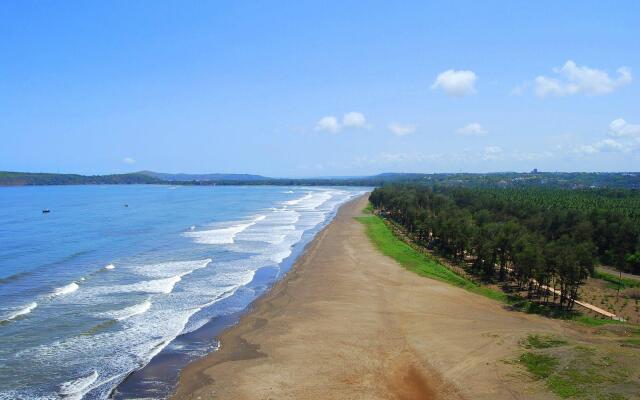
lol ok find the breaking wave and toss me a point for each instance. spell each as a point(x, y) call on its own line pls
point(164, 285)
point(64, 290)
point(23, 311)
point(298, 200)
point(129, 312)
point(221, 235)
point(77, 388)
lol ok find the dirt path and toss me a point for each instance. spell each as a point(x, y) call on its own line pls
point(588, 306)
point(350, 323)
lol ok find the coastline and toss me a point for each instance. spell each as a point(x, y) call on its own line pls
point(160, 376)
point(348, 322)
point(191, 377)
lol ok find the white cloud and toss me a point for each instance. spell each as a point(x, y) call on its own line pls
point(128, 160)
point(394, 157)
point(604, 146)
point(545, 86)
point(586, 149)
point(620, 127)
point(456, 83)
point(472, 129)
point(627, 140)
point(532, 156)
point(328, 124)
point(492, 152)
point(399, 129)
point(354, 119)
point(611, 145)
point(575, 79)
point(351, 119)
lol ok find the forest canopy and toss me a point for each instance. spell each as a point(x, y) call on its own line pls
point(535, 237)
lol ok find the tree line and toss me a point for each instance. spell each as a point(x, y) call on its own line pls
point(566, 180)
point(535, 238)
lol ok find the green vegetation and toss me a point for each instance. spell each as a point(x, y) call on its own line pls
point(543, 342)
point(422, 264)
point(562, 180)
point(578, 371)
point(594, 322)
point(532, 307)
point(566, 369)
point(540, 365)
point(368, 209)
point(28, 179)
point(633, 341)
point(532, 239)
point(616, 281)
point(426, 265)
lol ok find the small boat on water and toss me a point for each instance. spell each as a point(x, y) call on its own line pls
point(46, 211)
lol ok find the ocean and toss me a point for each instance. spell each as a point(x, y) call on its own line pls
point(116, 275)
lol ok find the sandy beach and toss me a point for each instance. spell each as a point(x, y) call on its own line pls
point(349, 323)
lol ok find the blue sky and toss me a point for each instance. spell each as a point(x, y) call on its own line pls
point(319, 88)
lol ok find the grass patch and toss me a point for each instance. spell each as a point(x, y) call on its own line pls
point(582, 376)
point(591, 321)
point(615, 281)
point(384, 239)
point(539, 365)
point(530, 307)
point(580, 372)
point(545, 310)
point(543, 342)
point(634, 342)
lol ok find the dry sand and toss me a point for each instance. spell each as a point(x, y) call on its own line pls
point(349, 323)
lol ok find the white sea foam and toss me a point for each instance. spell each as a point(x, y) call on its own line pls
point(23, 311)
point(316, 200)
point(172, 268)
point(221, 235)
point(277, 226)
point(247, 276)
point(170, 274)
point(129, 312)
point(298, 200)
point(170, 308)
point(77, 388)
point(164, 285)
point(64, 290)
point(280, 255)
point(285, 216)
point(110, 266)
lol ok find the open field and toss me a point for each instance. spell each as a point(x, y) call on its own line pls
point(620, 296)
point(597, 363)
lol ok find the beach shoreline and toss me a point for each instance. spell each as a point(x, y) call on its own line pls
point(348, 322)
point(238, 346)
point(160, 375)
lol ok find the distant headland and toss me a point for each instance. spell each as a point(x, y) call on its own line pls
point(567, 180)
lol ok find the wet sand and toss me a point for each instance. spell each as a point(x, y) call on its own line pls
point(349, 323)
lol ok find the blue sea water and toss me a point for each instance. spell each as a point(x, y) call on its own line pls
point(96, 288)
